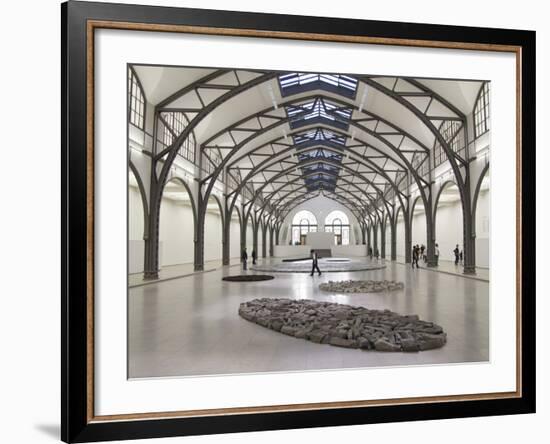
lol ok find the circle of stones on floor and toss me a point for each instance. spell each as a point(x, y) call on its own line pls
point(248, 278)
point(344, 325)
point(356, 286)
point(326, 267)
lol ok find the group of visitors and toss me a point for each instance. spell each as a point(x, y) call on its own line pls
point(421, 252)
point(244, 258)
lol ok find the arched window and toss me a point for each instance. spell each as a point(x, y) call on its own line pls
point(304, 222)
point(481, 111)
point(136, 101)
point(337, 222)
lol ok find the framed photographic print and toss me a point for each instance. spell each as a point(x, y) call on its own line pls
point(276, 221)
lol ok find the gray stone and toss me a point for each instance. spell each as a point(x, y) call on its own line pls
point(344, 325)
point(368, 286)
point(385, 345)
point(287, 330)
point(339, 342)
point(316, 336)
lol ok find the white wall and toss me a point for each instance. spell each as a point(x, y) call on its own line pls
point(388, 240)
point(448, 229)
point(234, 238)
point(136, 244)
point(135, 214)
point(176, 233)
point(213, 236)
point(400, 236)
point(483, 226)
point(418, 229)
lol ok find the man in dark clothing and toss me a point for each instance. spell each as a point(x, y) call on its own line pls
point(416, 255)
point(370, 252)
point(244, 259)
point(314, 263)
point(456, 251)
point(254, 257)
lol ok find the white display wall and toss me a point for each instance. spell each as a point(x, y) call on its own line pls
point(449, 230)
point(176, 234)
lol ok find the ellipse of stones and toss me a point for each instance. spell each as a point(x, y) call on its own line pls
point(344, 325)
point(360, 286)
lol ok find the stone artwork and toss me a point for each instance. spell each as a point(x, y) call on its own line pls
point(344, 325)
point(360, 286)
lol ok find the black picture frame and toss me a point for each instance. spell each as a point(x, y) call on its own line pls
point(77, 425)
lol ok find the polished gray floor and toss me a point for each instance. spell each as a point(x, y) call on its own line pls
point(190, 326)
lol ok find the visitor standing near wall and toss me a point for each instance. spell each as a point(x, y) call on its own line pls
point(456, 251)
point(314, 263)
point(422, 249)
point(436, 254)
point(415, 254)
point(370, 252)
point(244, 259)
point(254, 257)
point(461, 256)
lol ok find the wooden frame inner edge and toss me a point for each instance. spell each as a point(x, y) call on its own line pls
point(96, 24)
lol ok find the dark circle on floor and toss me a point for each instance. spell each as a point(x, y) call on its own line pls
point(248, 278)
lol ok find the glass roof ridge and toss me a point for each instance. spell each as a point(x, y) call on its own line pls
point(298, 82)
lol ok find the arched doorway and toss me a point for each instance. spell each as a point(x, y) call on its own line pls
point(176, 225)
point(448, 221)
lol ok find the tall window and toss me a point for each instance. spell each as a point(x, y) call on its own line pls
point(136, 101)
point(338, 223)
point(453, 133)
point(169, 126)
point(481, 111)
point(304, 222)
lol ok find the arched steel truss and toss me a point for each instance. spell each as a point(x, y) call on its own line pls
point(395, 148)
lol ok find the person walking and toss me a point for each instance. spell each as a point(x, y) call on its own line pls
point(254, 257)
point(422, 248)
point(436, 254)
point(370, 252)
point(376, 254)
point(461, 256)
point(314, 263)
point(456, 251)
point(244, 259)
point(414, 256)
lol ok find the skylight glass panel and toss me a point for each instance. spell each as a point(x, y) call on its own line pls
point(320, 135)
point(297, 82)
point(319, 111)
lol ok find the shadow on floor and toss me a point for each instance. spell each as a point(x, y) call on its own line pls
point(51, 430)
